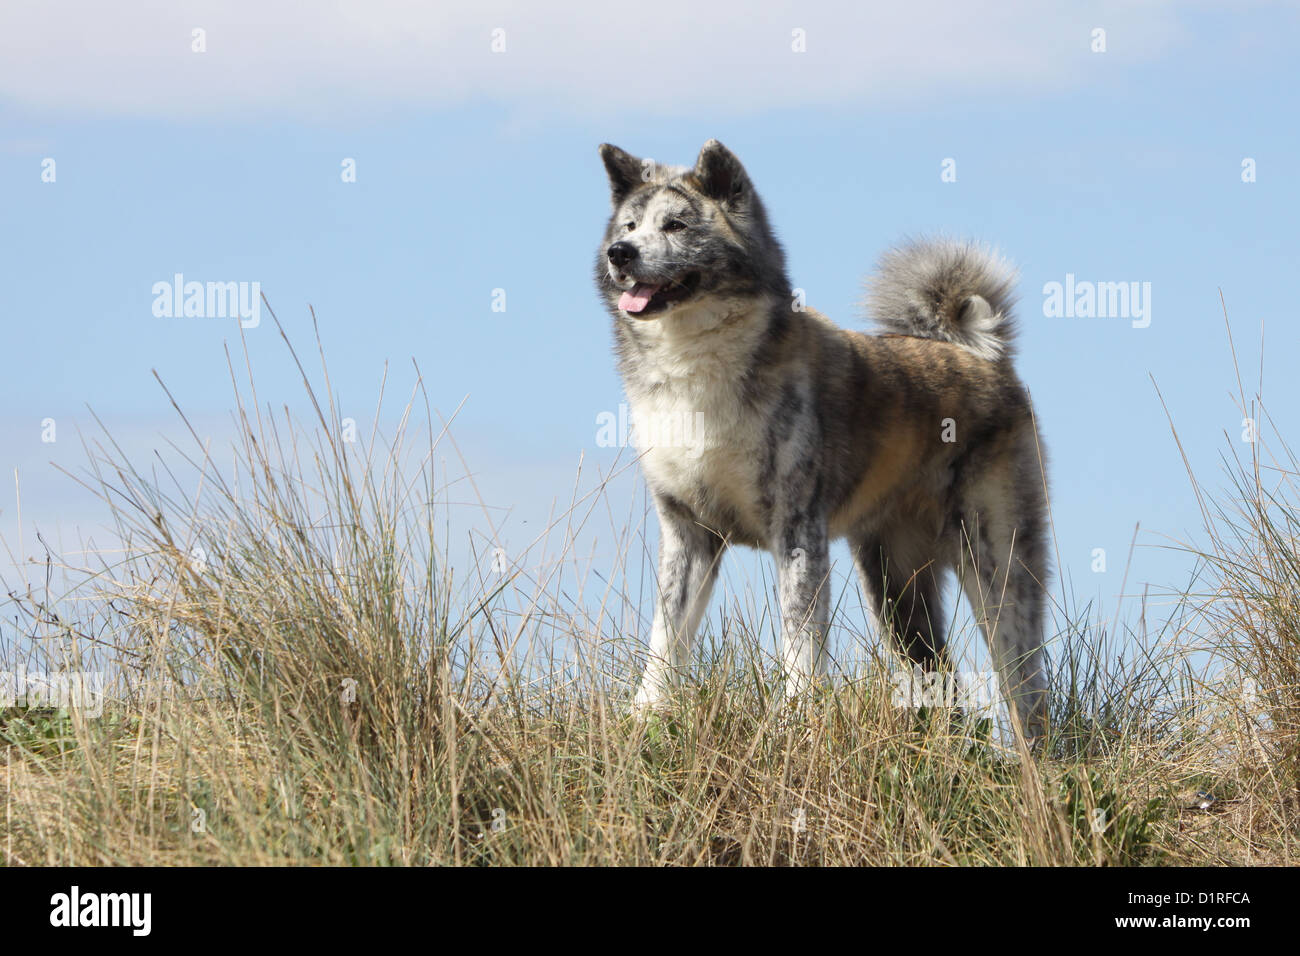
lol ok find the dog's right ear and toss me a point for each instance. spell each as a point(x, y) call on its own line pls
point(624, 171)
point(720, 174)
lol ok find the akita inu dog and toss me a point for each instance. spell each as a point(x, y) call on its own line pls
point(917, 444)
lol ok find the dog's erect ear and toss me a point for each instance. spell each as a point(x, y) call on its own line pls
point(720, 174)
point(624, 171)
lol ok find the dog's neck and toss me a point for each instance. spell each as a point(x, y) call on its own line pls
point(713, 338)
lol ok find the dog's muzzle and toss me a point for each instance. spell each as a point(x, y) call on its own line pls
point(621, 253)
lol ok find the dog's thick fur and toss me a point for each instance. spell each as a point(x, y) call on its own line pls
point(918, 445)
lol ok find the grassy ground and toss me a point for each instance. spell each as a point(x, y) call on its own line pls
point(300, 680)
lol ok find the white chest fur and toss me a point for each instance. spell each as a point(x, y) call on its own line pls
point(698, 440)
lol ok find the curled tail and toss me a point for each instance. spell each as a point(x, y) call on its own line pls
point(958, 292)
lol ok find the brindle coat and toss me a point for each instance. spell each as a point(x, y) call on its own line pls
point(919, 448)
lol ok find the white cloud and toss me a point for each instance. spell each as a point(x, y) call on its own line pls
point(667, 56)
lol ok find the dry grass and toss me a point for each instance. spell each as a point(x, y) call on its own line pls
point(313, 686)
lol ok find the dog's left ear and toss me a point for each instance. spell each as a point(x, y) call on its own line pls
point(624, 171)
point(720, 174)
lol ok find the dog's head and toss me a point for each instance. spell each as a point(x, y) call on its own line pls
point(679, 236)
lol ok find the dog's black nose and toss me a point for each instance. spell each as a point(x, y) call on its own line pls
point(621, 253)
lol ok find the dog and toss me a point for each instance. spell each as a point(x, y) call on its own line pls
point(917, 444)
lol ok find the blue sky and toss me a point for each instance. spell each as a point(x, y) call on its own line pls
point(477, 170)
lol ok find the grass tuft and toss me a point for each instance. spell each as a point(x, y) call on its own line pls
point(299, 676)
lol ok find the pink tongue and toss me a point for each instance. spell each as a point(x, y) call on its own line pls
point(637, 298)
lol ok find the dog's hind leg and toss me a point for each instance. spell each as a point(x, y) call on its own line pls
point(901, 581)
point(688, 567)
point(1002, 569)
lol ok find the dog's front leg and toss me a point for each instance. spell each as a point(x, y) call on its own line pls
point(803, 571)
point(688, 566)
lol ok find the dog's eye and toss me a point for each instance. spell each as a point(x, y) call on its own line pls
point(674, 225)
point(629, 226)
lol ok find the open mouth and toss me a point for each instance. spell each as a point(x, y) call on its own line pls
point(645, 299)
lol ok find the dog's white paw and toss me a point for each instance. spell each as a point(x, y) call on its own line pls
point(649, 700)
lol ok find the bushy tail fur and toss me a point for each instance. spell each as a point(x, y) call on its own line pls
point(959, 292)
